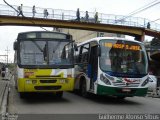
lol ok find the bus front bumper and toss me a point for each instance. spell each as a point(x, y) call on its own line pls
point(123, 91)
point(27, 85)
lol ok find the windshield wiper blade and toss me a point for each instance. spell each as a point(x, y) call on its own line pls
point(38, 46)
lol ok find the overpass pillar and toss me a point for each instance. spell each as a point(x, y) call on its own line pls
point(140, 37)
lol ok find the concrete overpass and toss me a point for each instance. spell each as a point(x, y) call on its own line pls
point(66, 19)
point(28, 21)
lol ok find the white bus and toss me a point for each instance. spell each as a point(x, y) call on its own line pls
point(111, 66)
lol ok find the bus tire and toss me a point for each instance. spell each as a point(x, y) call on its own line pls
point(22, 95)
point(59, 94)
point(121, 97)
point(16, 86)
point(3, 74)
point(84, 92)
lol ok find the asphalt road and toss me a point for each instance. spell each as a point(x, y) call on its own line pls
point(73, 106)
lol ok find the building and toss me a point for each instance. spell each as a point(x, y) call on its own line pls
point(82, 35)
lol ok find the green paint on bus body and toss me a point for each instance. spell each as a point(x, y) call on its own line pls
point(116, 91)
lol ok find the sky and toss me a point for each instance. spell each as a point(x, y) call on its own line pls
point(8, 34)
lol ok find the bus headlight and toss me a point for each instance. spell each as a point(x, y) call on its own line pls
point(104, 79)
point(28, 81)
point(34, 81)
point(31, 81)
point(63, 81)
point(145, 82)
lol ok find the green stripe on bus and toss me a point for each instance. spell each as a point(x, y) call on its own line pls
point(115, 91)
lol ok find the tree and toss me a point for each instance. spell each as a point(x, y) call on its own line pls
point(155, 42)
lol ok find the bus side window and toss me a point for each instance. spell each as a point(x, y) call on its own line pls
point(77, 54)
point(85, 53)
point(84, 57)
point(80, 55)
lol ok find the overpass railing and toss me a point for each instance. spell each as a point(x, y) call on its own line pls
point(60, 14)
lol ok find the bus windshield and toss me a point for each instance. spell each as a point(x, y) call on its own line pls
point(39, 52)
point(121, 56)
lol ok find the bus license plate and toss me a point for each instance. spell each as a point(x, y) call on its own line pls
point(126, 90)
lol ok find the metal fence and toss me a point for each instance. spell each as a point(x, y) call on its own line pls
point(61, 14)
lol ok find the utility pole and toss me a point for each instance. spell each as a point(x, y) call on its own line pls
point(7, 50)
point(4, 56)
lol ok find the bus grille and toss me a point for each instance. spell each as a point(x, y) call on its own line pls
point(47, 87)
point(122, 84)
point(43, 76)
point(48, 81)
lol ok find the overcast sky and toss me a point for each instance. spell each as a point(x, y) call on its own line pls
point(8, 34)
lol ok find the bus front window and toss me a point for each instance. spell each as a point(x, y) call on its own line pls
point(33, 52)
point(122, 57)
point(60, 53)
point(46, 53)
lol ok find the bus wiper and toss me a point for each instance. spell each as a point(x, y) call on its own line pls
point(38, 46)
point(56, 47)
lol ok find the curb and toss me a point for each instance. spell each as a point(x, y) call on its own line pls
point(4, 99)
point(4, 86)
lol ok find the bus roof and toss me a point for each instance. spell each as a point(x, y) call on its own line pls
point(111, 38)
point(43, 34)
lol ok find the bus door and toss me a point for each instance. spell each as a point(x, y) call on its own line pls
point(93, 62)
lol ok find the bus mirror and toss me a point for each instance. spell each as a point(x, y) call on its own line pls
point(99, 51)
point(15, 45)
point(75, 47)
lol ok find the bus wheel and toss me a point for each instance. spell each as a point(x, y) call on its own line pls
point(59, 94)
point(121, 97)
point(22, 95)
point(16, 87)
point(84, 92)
